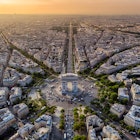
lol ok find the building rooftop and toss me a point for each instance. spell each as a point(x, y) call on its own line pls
point(136, 88)
point(44, 118)
point(134, 113)
point(92, 134)
point(113, 133)
point(118, 107)
point(94, 121)
point(20, 107)
point(25, 129)
point(5, 115)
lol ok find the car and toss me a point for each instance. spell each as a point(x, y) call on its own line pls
point(69, 130)
point(133, 133)
point(65, 136)
point(74, 99)
point(52, 86)
point(68, 134)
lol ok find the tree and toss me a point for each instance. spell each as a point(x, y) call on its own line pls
point(82, 125)
point(61, 126)
point(43, 102)
point(79, 126)
point(82, 117)
point(75, 109)
point(138, 131)
point(78, 137)
point(93, 113)
point(124, 101)
point(122, 123)
point(106, 120)
point(76, 126)
point(111, 101)
point(130, 128)
point(52, 109)
point(85, 111)
point(62, 111)
point(102, 99)
point(113, 117)
point(113, 96)
point(62, 116)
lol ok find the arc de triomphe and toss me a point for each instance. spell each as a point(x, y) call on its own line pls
point(69, 77)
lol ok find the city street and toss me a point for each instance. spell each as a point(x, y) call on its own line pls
point(69, 124)
point(70, 52)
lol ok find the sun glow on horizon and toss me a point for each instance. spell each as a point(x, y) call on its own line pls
point(11, 2)
point(7, 1)
point(20, 2)
point(97, 7)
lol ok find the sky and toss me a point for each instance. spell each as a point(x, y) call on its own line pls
point(78, 7)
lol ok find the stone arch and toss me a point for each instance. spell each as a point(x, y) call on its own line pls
point(69, 77)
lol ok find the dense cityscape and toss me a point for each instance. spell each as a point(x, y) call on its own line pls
point(69, 77)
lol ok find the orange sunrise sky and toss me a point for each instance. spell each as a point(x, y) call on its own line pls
point(92, 7)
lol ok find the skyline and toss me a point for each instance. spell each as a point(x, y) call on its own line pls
point(78, 7)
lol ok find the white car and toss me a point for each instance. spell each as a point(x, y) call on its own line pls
point(74, 99)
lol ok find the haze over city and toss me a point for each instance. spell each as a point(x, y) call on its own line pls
point(69, 69)
point(78, 7)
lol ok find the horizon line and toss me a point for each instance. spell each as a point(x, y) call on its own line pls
point(72, 14)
